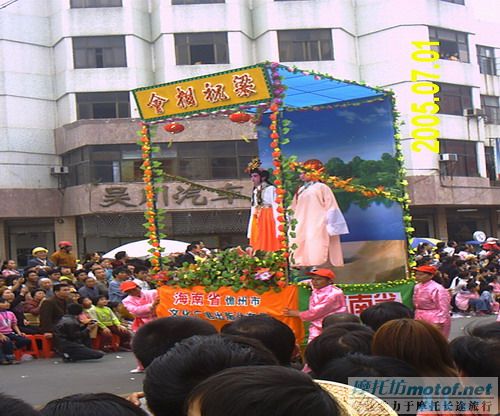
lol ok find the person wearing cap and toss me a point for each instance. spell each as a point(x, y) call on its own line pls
point(63, 256)
point(140, 303)
point(431, 300)
point(326, 299)
point(40, 261)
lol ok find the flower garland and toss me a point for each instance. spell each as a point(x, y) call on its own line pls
point(277, 101)
point(366, 287)
point(152, 176)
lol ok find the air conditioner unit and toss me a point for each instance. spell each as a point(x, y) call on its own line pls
point(59, 170)
point(473, 112)
point(448, 157)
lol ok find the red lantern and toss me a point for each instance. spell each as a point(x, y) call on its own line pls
point(240, 117)
point(173, 128)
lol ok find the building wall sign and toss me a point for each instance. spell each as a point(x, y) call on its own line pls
point(174, 196)
point(249, 85)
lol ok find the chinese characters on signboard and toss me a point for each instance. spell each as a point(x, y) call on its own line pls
point(358, 303)
point(230, 88)
point(170, 195)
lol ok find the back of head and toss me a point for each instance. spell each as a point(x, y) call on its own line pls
point(377, 315)
point(418, 343)
point(489, 331)
point(359, 365)
point(476, 357)
point(262, 390)
point(340, 318)
point(91, 405)
point(336, 342)
point(120, 255)
point(274, 334)
point(75, 309)
point(11, 406)
point(170, 377)
point(157, 337)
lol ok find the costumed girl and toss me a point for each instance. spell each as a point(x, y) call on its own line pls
point(319, 220)
point(262, 227)
point(431, 300)
point(326, 299)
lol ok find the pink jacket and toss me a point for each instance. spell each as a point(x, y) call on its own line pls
point(432, 304)
point(323, 302)
point(140, 307)
point(462, 299)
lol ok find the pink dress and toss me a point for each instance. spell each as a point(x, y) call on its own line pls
point(323, 302)
point(319, 226)
point(432, 304)
point(140, 307)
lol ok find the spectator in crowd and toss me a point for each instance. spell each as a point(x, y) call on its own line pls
point(476, 357)
point(80, 277)
point(47, 286)
point(93, 257)
point(16, 301)
point(9, 270)
point(90, 289)
point(32, 307)
point(120, 275)
point(91, 404)
point(336, 342)
point(192, 251)
point(53, 309)
point(141, 276)
point(67, 275)
point(64, 256)
point(159, 336)
point(361, 365)
point(431, 300)
point(376, 315)
point(467, 298)
point(32, 279)
point(459, 281)
point(450, 248)
point(418, 343)
point(260, 390)
point(15, 407)
point(102, 282)
point(40, 262)
point(109, 324)
point(140, 303)
point(171, 377)
point(339, 318)
point(272, 333)
point(72, 339)
point(326, 299)
point(121, 259)
point(486, 291)
point(54, 275)
point(107, 265)
point(10, 335)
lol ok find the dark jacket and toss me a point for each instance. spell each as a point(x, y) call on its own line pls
point(51, 311)
point(184, 258)
point(70, 330)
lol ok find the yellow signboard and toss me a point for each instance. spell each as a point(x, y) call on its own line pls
point(207, 93)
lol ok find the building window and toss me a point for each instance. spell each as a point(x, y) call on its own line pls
point(93, 105)
point(196, 1)
point(486, 60)
point(462, 2)
point(489, 153)
point(467, 157)
point(99, 52)
point(305, 45)
point(454, 99)
point(201, 48)
point(491, 106)
point(86, 4)
point(452, 45)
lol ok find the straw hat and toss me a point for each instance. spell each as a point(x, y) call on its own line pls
point(356, 402)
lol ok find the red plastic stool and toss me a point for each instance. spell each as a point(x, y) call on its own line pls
point(32, 350)
point(46, 345)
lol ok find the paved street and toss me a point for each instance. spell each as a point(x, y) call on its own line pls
point(39, 381)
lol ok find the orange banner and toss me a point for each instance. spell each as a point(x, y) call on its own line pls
point(225, 305)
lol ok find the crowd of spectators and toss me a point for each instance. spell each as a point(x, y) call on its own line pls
point(254, 366)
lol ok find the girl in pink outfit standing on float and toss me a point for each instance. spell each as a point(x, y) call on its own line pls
point(431, 300)
point(326, 299)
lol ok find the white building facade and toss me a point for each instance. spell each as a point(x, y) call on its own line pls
point(67, 66)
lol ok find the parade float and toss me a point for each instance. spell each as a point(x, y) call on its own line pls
point(297, 115)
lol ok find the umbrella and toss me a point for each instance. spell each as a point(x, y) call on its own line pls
point(474, 242)
point(140, 248)
point(414, 242)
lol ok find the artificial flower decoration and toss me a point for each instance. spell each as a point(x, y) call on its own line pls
point(174, 128)
point(264, 275)
point(240, 117)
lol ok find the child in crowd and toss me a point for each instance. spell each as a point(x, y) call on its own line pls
point(326, 299)
point(486, 296)
point(468, 298)
point(109, 324)
point(10, 335)
point(431, 300)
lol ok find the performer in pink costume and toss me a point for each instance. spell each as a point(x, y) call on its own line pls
point(140, 303)
point(431, 300)
point(326, 299)
point(319, 221)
